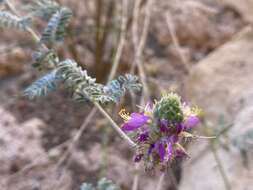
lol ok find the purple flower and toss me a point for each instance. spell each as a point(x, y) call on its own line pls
point(172, 139)
point(160, 148)
point(169, 150)
point(135, 121)
point(159, 129)
point(191, 121)
point(143, 136)
point(163, 125)
point(164, 147)
point(179, 128)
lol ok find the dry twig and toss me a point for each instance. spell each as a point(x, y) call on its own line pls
point(175, 41)
point(121, 41)
point(160, 182)
point(140, 45)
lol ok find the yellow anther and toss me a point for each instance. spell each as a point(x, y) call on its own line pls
point(124, 115)
point(197, 111)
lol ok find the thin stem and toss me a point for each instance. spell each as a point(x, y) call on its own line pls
point(88, 118)
point(160, 182)
point(105, 152)
point(114, 125)
point(77, 137)
point(136, 177)
point(11, 7)
point(121, 41)
point(176, 42)
point(98, 36)
point(104, 113)
point(35, 37)
point(206, 148)
point(103, 27)
point(220, 167)
point(218, 160)
point(139, 48)
point(173, 178)
point(135, 23)
point(203, 137)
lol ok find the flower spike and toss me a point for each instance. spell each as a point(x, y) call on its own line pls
point(159, 129)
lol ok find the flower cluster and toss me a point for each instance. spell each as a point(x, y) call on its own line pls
point(159, 129)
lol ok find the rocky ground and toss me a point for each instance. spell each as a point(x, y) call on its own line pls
point(215, 38)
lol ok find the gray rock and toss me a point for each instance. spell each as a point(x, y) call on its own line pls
point(24, 163)
point(222, 81)
point(222, 85)
point(244, 7)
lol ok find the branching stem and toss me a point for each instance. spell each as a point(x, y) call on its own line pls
point(114, 125)
point(97, 105)
point(35, 37)
point(218, 160)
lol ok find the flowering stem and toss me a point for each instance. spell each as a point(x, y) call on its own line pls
point(136, 177)
point(204, 137)
point(220, 166)
point(218, 161)
point(160, 182)
point(35, 37)
point(173, 179)
point(97, 105)
point(76, 137)
point(114, 125)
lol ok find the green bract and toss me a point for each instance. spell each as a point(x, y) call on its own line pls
point(169, 108)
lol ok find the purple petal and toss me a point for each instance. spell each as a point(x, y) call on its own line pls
point(191, 121)
point(129, 127)
point(136, 121)
point(172, 139)
point(169, 149)
point(163, 125)
point(161, 150)
point(179, 128)
point(138, 115)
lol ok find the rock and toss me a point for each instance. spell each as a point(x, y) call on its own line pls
point(205, 167)
point(118, 169)
point(221, 82)
point(205, 173)
point(24, 163)
point(200, 26)
point(244, 7)
point(41, 177)
point(12, 61)
point(222, 85)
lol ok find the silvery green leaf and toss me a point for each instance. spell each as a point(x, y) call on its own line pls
point(9, 20)
point(87, 186)
point(105, 184)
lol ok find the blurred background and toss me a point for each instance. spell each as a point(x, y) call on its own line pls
point(201, 49)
